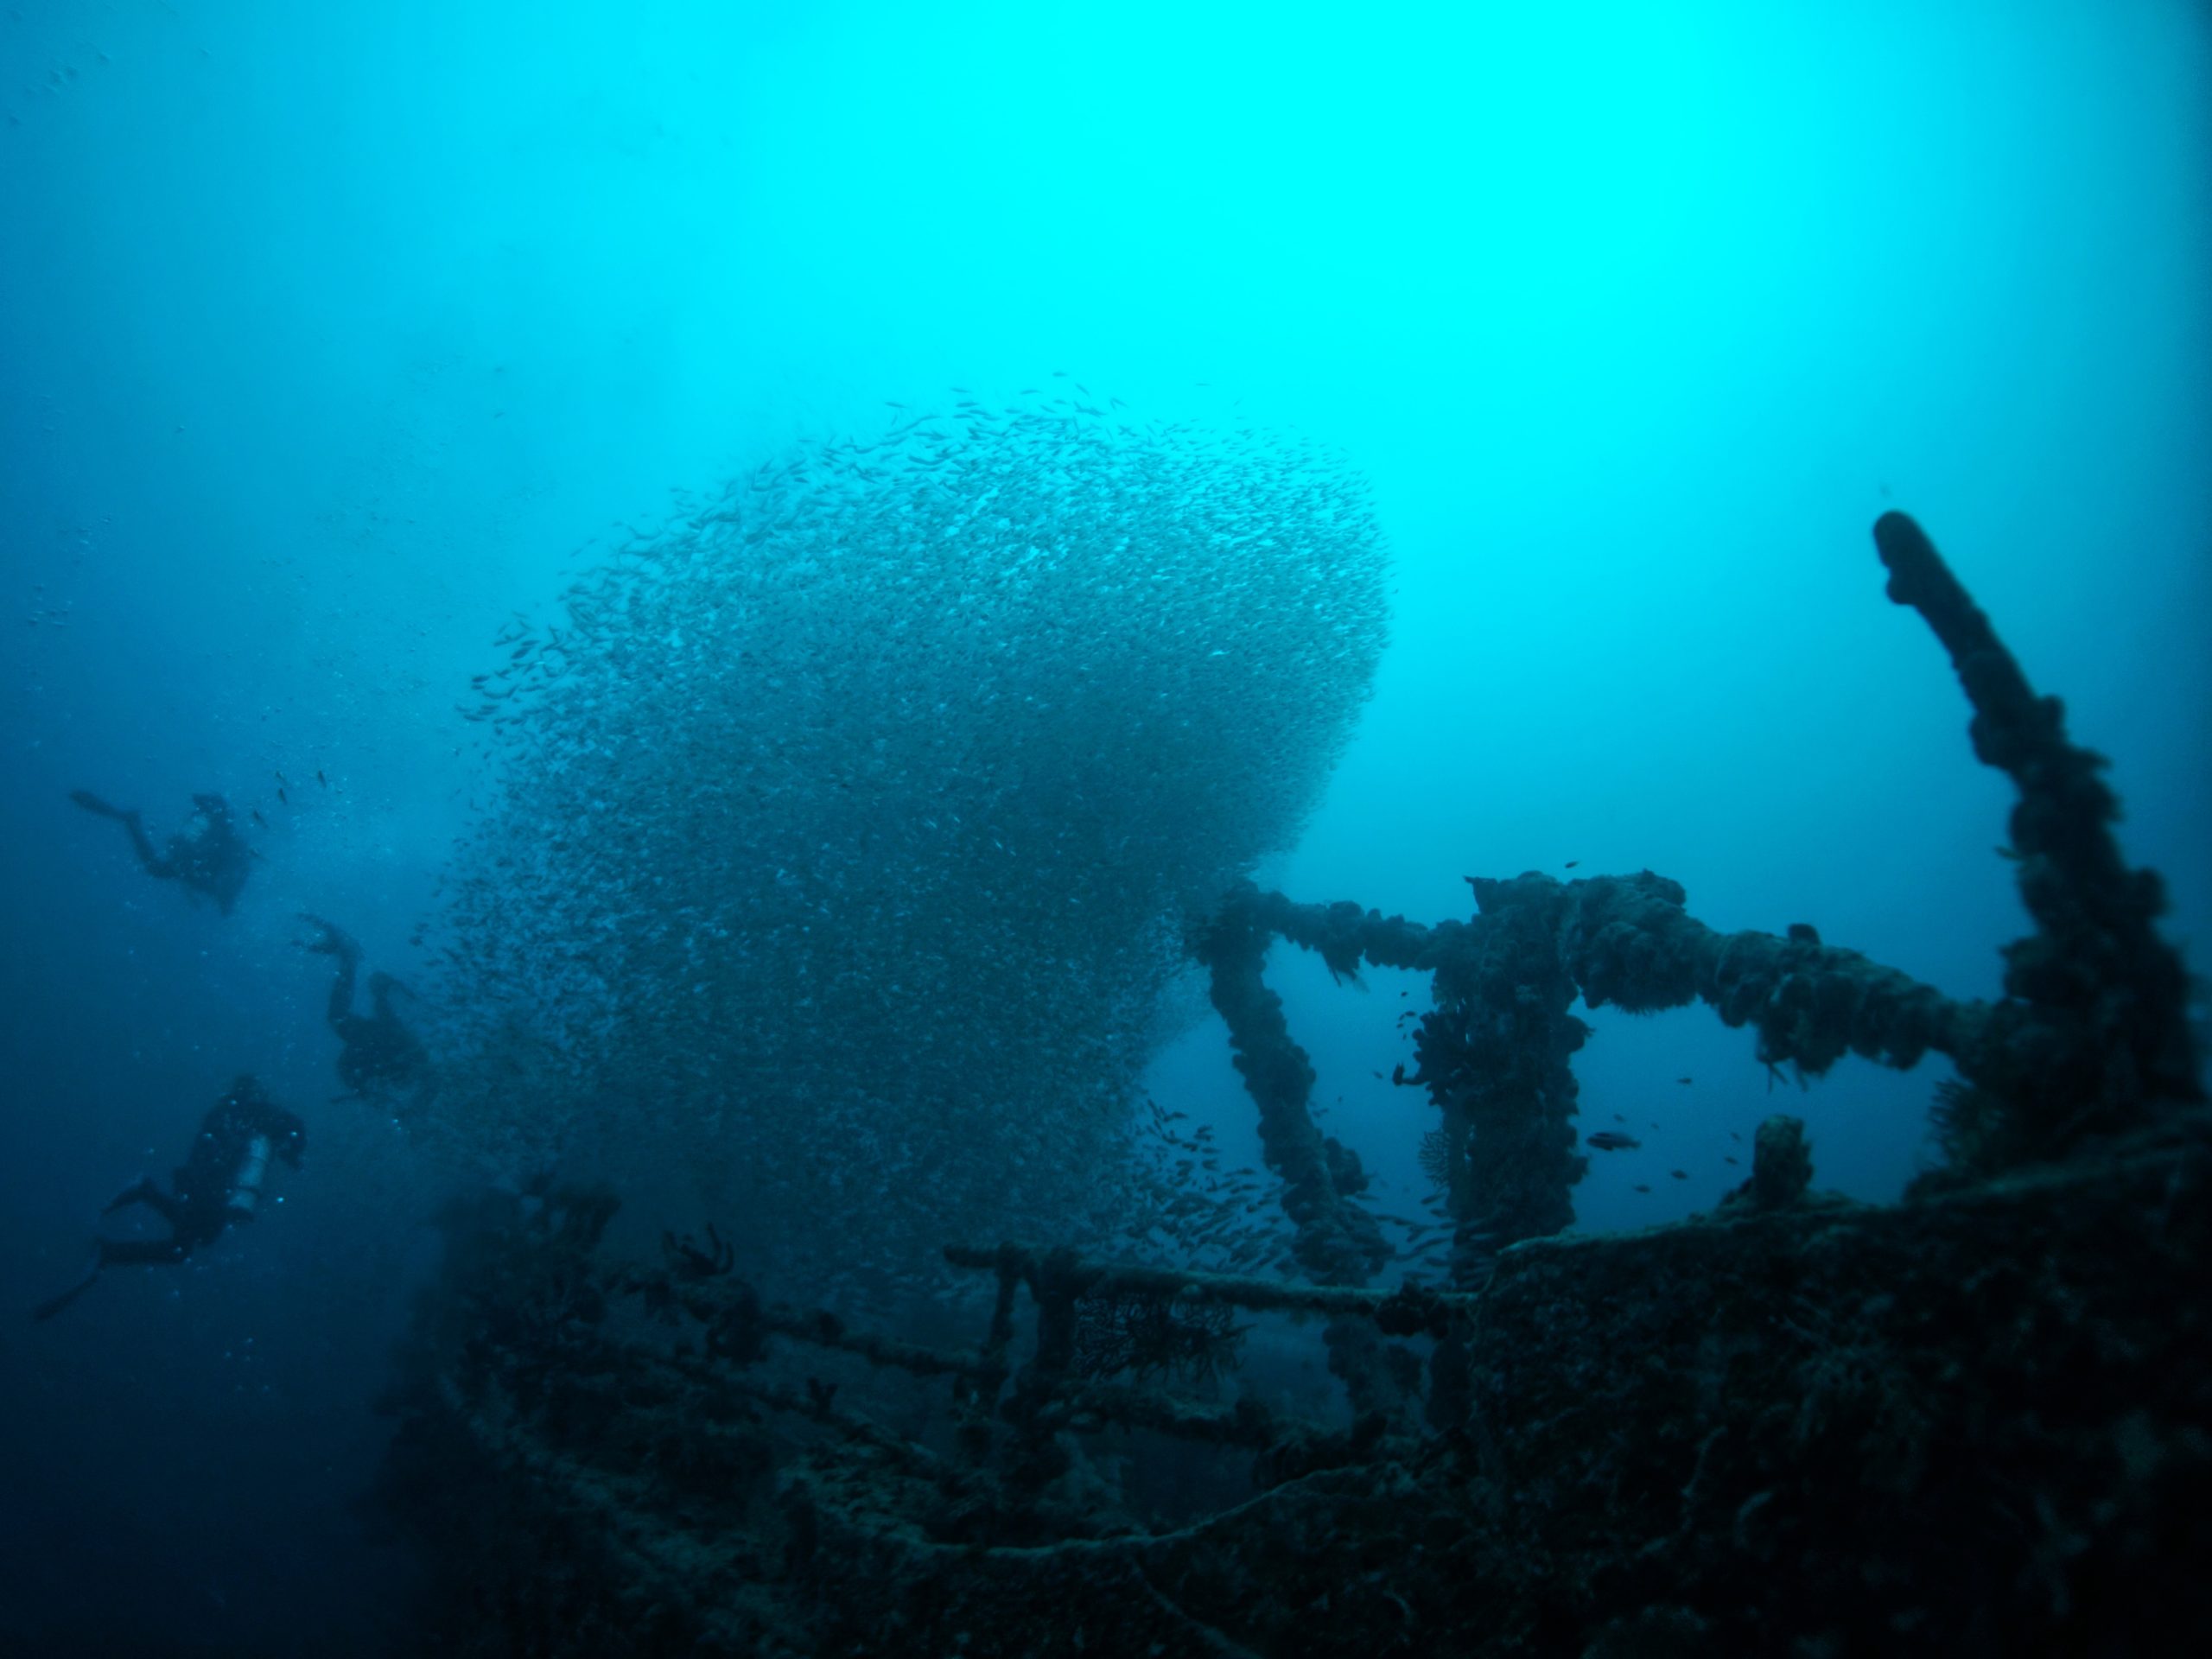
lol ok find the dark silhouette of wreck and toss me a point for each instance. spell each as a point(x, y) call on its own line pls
point(1978, 1420)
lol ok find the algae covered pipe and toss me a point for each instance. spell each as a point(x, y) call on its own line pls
point(2095, 1029)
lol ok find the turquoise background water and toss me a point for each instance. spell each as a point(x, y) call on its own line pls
point(328, 334)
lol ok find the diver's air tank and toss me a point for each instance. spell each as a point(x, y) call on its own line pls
point(246, 1184)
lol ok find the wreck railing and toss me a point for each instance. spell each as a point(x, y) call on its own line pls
point(1182, 1329)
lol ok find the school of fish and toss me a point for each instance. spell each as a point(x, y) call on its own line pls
point(848, 823)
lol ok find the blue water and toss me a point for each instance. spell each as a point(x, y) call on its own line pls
point(327, 334)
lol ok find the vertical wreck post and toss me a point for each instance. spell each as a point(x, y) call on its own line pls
point(1334, 1241)
point(1496, 1056)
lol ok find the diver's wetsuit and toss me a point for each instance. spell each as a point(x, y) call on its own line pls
point(219, 1183)
point(376, 1050)
point(214, 860)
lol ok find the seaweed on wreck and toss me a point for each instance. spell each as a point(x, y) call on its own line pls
point(1980, 1419)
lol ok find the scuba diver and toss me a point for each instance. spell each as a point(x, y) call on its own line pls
point(377, 1052)
point(217, 1187)
point(213, 860)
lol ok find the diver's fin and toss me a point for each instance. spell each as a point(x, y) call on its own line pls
point(47, 1309)
point(91, 802)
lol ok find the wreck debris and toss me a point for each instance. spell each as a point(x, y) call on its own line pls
point(1976, 1420)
